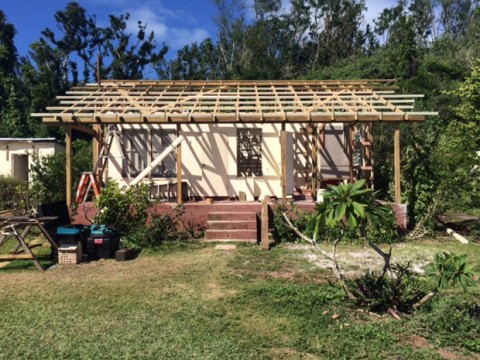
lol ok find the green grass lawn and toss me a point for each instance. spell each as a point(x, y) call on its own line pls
point(192, 301)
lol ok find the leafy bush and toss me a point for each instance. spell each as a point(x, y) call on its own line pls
point(399, 292)
point(283, 233)
point(161, 228)
point(48, 172)
point(450, 270)
point(127, 208)
point(16, 196)
point(123, 207)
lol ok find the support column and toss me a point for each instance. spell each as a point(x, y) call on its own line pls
point(179, 170)
point(369, 175)
point(322, 150)
point(283, 145)
point(314, 161)
point(68, 164)
point(264, 236)
point(396, 145)
point(96, 143)
point(351, 151)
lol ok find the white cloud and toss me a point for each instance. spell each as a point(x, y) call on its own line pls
point(179, 37)
point(158, 19)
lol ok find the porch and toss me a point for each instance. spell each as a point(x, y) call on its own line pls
point(223, 220)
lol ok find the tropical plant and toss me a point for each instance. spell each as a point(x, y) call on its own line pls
point(450, 270)
point(347, 207)
point(397, 293)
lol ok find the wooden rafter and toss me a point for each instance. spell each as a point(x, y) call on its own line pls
point(234, 101)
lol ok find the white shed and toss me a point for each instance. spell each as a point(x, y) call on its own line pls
point(17, 154)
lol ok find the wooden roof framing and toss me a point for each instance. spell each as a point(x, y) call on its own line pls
point(139, 102)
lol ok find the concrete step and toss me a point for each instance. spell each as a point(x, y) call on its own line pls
point(231, 235)
point(231, 225)
point(231, 241)
point(232, 216)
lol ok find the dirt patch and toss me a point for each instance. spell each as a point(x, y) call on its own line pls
point(355, 261)
point(420, 342)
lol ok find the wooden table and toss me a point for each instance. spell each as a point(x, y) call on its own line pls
point(18, 227)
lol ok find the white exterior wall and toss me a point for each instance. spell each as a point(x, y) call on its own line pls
point(209, 160)
point(9, 149)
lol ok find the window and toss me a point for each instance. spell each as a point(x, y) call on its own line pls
point(249, 152)
point(140, 144)
point(136, 150)
point(160, 140)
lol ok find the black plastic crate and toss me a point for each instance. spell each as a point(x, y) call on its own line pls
point(102, 242)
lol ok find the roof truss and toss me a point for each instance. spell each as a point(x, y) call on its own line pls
point(138, 102)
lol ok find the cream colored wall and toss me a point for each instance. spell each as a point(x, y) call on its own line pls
point(212, 150)
point(8, 149)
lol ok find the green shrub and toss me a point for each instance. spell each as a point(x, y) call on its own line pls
point(450, 270)
point(48, 172)
point(17, 197)
point(160, 229)
point(127, 208)
point(399, 292)
point(282, 233)
point(123, 207)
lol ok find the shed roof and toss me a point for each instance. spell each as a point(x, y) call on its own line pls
point(146, 101)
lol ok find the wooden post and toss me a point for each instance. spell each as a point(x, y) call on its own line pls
point(97, 139)
point(264, 236)
point(68, 153)
point(283, 144)
point(179, 170)
point(369, 154)
point(321, 137)
point(351, 151)
point(398, 194)
point(314, 161)
point(96, 143)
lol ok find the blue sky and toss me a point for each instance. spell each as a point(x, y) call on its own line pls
point(175, 22)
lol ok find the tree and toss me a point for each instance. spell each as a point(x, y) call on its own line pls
point(12, 101)
point(469, 95)
point(348, 206)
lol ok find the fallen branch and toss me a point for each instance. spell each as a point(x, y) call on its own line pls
point(394, 314)
point(425, 299)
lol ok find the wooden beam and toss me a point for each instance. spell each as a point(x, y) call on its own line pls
point(179, 169)
point(314, 140)
point(369, 175)
point(322, 149)
point(84, 129)
point(96, 142)
point(68, 153)
point(396, 145)
point(351, 152)
point(283, 150)
point(264, 231)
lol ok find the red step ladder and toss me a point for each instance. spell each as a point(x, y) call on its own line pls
point(87, 182)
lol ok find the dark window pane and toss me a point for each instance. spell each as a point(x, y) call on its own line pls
point(249, 152)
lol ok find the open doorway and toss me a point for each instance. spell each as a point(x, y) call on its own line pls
point(20, 167)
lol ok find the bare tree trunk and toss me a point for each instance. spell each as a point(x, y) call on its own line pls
point(331, 258)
